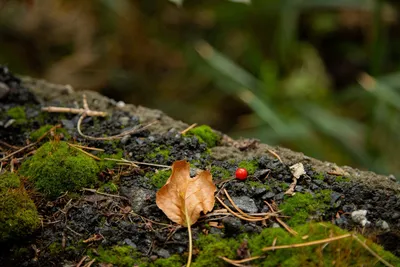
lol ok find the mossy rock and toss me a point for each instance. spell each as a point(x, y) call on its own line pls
point(18, 214)
point(57, 168)
point(303, 205)
point(343, 252)
point(206, 135)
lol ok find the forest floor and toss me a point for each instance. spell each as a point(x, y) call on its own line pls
point(114, 220)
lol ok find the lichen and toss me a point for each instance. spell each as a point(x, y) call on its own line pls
point(302, 206)
point(205, 134)
point(18, 214)
point(159, 178)
point(18, 114)
point(56, 168)
point(250, 165)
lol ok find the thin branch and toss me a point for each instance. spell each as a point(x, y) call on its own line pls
point(189, 128)
point(307, 244)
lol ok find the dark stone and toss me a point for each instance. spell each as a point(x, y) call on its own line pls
point(232, 226)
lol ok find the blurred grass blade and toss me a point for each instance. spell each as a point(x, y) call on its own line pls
point(244, 85)
point(241, 1)
point(177, 2)
point(380, 90)
point(348, 133)
point(228, 67)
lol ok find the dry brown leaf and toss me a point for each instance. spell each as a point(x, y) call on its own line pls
point(182, 194)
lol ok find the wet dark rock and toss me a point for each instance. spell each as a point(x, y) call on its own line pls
point(349, 208)
point(232, 226)
point(268, 195)
point(299, 188)
point(279, 196)
point(139, 197)
point(261, 174)
point(244, 203)
point(163, 253)
point(335, 197)
point(129, 242)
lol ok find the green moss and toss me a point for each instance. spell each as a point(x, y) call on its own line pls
point(284, 185)
point(117, 255)
point(18, 214)
point(342, 179)
point(55, 248)
point(159, 178)
point(109, 187)
point(56, 168)
point(35, 135)
point(219, 172)
point(18, 114)
point(211, 247)
point(258, 185)
point(173, 261)
point(344, 252)
point(109, 164)
point(302, 206)
point(162, 151)
point(319, 176)
point(9, 180)
point(205, 134)
point(250, 165)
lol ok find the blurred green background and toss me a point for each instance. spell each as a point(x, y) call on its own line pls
point(318, 76)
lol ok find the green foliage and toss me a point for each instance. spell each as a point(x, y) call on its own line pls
point(250, 165)
point(302, 206)
point(205, 134)
point(213, 246)
point(18, 214)
point(124, 256)
point(219, 172)
point(159, 178)
point(56, 168)
point(173, 261)
point(18, 114)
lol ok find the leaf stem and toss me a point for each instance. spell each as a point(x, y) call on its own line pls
point(189, 261)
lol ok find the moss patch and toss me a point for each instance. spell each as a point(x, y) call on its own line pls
point(213, 246)
point(159, 178)
point(56, 168)
point(258, 185)
point(18, 214)
point(117, 255)
point(173, 261)
point(219, 172)
point(35, 135)
point(344, 252)
point(161, 153)
point(302, 206)
point(109, 187)
point(342, 179)
point(205, 134)
point(18, 114)
point(250, 165)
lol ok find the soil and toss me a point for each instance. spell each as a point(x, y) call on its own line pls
point(77, 223)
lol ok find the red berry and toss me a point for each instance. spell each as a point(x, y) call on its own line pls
point(241, 173)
